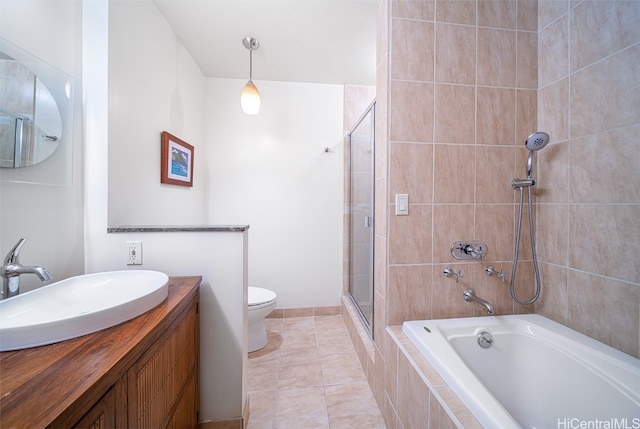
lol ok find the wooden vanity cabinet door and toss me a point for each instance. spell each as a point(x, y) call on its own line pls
point(162, 386)
point(102, 415)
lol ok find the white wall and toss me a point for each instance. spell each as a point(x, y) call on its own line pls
point(270, 171)
point(50, 217)
point(154, 86)
point(135, 87)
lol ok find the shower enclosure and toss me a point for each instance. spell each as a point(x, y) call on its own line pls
point(361, 209)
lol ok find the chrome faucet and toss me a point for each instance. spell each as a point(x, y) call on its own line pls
point(12, 269)
point(469, 295)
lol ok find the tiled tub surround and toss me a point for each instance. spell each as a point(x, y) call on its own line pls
point(461, 84)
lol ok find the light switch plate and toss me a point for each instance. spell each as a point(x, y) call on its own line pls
point(402, 204)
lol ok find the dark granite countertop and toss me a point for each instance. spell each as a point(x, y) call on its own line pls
point(178, 228)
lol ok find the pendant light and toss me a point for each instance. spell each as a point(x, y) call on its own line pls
point(250, 97)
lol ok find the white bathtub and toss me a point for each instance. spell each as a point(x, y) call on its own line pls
point(536, 374)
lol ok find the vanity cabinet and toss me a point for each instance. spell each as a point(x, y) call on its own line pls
point(140, 374)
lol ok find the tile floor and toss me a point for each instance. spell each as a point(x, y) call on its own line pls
point(309, 376)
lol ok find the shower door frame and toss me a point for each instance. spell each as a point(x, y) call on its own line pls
point(370, 220)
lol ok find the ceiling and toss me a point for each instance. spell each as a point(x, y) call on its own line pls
point(313, 41)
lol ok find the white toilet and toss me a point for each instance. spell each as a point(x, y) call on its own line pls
point(261, 303)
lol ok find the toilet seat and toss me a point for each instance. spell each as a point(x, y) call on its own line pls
point(260, 298)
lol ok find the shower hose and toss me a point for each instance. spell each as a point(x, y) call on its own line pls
point(533, 252)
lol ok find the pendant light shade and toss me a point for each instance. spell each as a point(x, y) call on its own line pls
point(250, 97)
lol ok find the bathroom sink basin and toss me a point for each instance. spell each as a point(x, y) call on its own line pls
point(78, 306)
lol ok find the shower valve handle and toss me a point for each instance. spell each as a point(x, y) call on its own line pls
point(448, 272)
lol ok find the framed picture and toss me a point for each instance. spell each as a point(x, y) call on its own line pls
point(176, 161)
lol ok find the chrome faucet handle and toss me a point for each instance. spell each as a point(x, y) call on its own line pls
point(448, 272)
point(14, 254)
point(490, 271)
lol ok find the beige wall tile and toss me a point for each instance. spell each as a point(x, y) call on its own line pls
point(497, 13)
point(606, 310)
point(610, 84)
point(438, 417)
point(456, 11)
point(550, 10)
point(601, 27)
point(413, 397)
point(494, 226)
point(553, 59)
point(379, 325)
point(492, 289)
point(410, 236)
point(455, 114)
point(526, 114)
point(447, 294)
point(411, 112)
point(552, 172)
point(527, 60)
point(599, 233)
point(411, 171)
point(496, 115)
point(380, 266)
point(495, 169)
point(453, 224)
point(527, 15)
point(391, 369)
point(356, 99)
point(553, 110)
point(605, 167)
point(412, 50)
point(496, 57)
point(454, 174)
point(414, 9)
point(381, 207)
point(554, 297)
point(524, 286)
point(552, 241)
point(410, 290)
point(455, 54)
point(458, 408)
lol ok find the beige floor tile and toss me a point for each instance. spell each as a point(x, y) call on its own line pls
point(263, 405)
point(350, 399)
point(299, 325)
point(359, 421)
point(300, 344)
point(300, 375)
point(342, 368)
point(329, 324)
point(300, 402)
point(332, 344)
point(309, 377)
point(262, 374)
point(300, 422)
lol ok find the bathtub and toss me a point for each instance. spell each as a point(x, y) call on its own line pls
point(536, 373)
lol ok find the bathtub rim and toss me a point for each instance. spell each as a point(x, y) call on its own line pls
point(463, 382)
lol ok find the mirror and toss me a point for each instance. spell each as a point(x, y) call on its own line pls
point(30, 121)
point(36, 119)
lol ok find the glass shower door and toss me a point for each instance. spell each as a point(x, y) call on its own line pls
point(361, 209)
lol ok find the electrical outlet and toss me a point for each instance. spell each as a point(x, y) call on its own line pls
point(134, 252)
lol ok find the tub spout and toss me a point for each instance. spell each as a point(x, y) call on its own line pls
point(469, 295)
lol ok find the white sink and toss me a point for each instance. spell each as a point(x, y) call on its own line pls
point(78, 306)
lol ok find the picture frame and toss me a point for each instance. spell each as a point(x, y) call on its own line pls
point(176, 161)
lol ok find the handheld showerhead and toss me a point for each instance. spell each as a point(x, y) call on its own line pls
point(535, 141)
